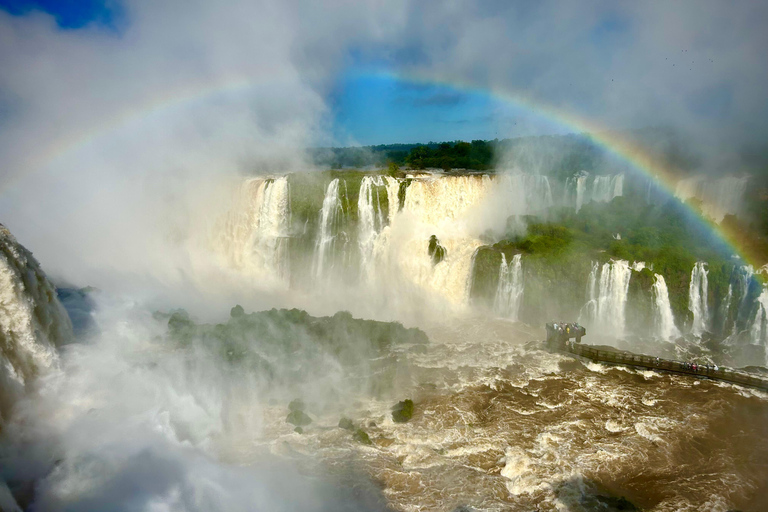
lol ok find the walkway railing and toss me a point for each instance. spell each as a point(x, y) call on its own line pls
point(627, 358)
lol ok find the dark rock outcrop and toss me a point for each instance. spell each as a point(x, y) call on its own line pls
point(403, 411)
point(436, 251)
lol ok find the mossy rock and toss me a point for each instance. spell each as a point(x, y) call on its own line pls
point(361, 437)
point(403, 411)
point(299, 430)
point(346, 424)
point(436, 251)
point(298, 418)
point(297, 405)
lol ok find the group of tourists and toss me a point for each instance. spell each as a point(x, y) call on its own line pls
point(564, 331)
point(698, 367)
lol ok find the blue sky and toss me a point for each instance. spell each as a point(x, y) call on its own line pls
point(69, 14)
point(370, 107)
point(621, 65)
point(367, 105)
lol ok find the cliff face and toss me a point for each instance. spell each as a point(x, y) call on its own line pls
point(32, 321)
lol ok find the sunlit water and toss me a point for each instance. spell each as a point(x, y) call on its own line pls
point(503, 425)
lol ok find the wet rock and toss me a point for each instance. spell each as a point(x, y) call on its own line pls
point(299, 430)
point(346, 424)
point(436, 251)
point(297, 416)
point(403, 411)
point(614, 503)
point(297, 405)
point(362, 437)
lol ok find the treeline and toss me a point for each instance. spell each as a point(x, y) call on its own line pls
point(478, 155)
point(475, 155)
point(549, 154)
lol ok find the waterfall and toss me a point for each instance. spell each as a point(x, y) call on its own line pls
point(32, 321)
point(605, 188)
point(607, 298)
point(617, 184)
point(330, 220)
point(759, 329)
point(509, 292)
point(393, 197)
point(255, 232)
point(581, 189)
point(697, 298)
point(588, 313)
point(370, 221)
point(444, 207)
point(517, 193)
point(664, 319)
point(720, 196)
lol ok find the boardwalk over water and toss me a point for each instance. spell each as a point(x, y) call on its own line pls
point(630, 359)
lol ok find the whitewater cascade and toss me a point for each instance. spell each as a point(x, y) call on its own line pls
point(720, 196)
point(32, 321)
point(527, 194)
point(370, 221)
point(697, 298)
point(759, 329)
point(663, 317)
point(448, 209)
point(254, 236)
point(603, 189)
point(330, 220)
point(509, 293)
point(581, 189)
point(607, 298)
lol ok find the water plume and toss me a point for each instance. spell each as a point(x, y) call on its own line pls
point(698, 297)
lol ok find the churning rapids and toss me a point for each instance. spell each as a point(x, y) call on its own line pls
point(130, 417)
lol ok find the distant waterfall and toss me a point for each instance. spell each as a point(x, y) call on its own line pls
point(759, 330)
point(255, 232)
point(603, 189)
point(588, 313)
point(697, 299)
point(509, 292)
point(393, 197)
point(719, 196)
point(32, 321)
point(581, 189)
point(370, 220)
point(330, 220)
point(605, 308)
point(663, 317)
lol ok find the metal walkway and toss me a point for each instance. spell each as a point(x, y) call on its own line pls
point(629, 359)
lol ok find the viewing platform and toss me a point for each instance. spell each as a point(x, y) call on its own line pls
point(560, 334)
point(629, 359)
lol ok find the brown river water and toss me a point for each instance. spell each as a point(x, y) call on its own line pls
point(501, 424)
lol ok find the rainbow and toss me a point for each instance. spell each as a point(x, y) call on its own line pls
point(613, 143)
point(620, 147)
point(160, 103)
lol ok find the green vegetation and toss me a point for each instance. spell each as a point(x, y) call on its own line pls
point(456, 155)
point(291, 349)
point(558, 255)
point(361, 437)
point(402, 411)
point(557, 156)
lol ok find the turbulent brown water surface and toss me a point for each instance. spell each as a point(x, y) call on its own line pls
point(501, 424)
